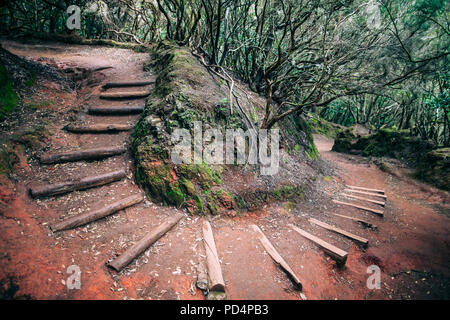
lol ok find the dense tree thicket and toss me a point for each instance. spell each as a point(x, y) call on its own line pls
point(382, 63)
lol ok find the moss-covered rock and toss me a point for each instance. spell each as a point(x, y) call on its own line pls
point(323, 127)
point(435, 168)
point(186, 92)
point(431, 163)
point(177, 101)
point(393, 143)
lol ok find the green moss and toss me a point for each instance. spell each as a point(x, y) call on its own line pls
point(188, 186)
point(42, 104)
point(31, 81)
point(199, 202)
point(323, 127)
point(434, 168)
point(8, 159)
point(8, 96)
point(175, 195)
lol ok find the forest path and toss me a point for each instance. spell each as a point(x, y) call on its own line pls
point(411, 243)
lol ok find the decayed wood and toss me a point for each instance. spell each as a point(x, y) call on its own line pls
point(340, 231)
point(365, 189)
point(97, 214)
point(116, 110)
point(130, 254)
point(365, 199)
point(121, 84)
point(365, 223)
point(98, 128)
point(276, 256)
point(359, 207)
point(336, 253)
point(81, 184)
point(202, 276)
point(367, 193)
point(124, 95)
point(216, 282)
point(86, 154)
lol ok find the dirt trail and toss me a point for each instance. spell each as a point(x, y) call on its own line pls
point(411, 245)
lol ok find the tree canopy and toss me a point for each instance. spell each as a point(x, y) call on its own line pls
point(382, 63)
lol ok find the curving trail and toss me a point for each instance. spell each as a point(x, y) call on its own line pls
point(411, 244)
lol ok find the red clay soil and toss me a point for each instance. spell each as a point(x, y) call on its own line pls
point(411, 245)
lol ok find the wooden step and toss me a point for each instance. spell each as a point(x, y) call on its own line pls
point(350, 235)
point(86, 154)
point(122, 84)
point(98, 128)
point(359, 207)
point(366, 193)
point(85, 218)
point(365, 223)
point(365, 189)
point(276, 256)
point(80, 184)
point(338, 254)
point(124, 95)
point(364, 199)
point(116, 110)
point(216, 282)
point(139, 247)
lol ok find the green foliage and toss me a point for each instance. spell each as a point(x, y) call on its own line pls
point(8, 96)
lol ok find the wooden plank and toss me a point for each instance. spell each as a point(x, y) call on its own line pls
point(359, 207)
point(85, 154)
point(216, 282)
point(367, 193)
point(365, 189)
point(81, 184)
point(338, 254)
point(131, 253)
point(122, 84)
point(365, 223)
point(98, 128)
point(340, 231)
point(124, 95)
point(276, 256)
point(365, 199)
point(85, 218)
point(116, 110)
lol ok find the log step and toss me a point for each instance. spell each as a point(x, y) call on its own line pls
point(365, 189)
point(87, 154)
point(359, 207)
point(124, 95)
point(81, 184)
point(338, 254)
point(116, 110)
point(122, 84)
point(350, 235)
point(85, 218)
point(98, 128)
point(276, 256)
point(367, 193)
point(365, 199)
point(216, 282)
point(131, 253)
point(365, 223)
